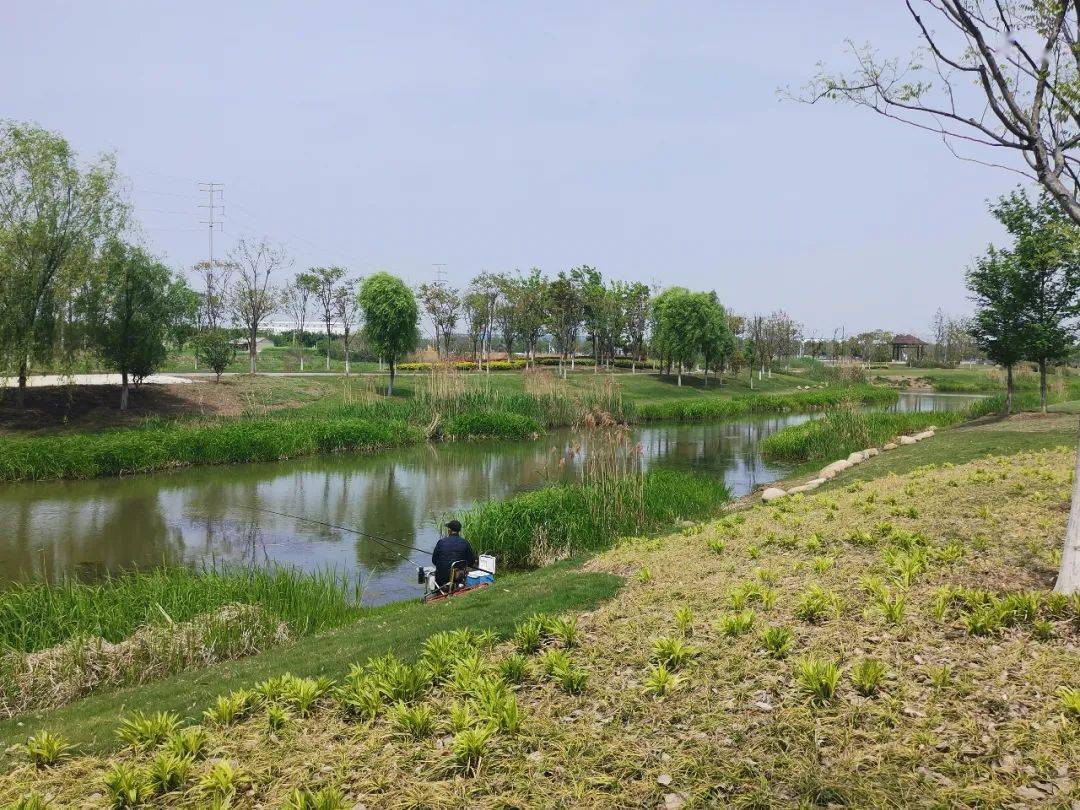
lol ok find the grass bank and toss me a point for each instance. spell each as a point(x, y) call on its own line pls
point(892, 642)
point(845, 430)
point(703, 409)
point(568, 519)
point(398, 628)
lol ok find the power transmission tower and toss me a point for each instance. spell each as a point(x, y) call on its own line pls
point(213, 207)
point(440, 272)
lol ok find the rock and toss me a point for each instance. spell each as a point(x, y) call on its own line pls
point(772, 493)
point(813, 483)
point(870, 452)
point(674, 801)
point(926, 434)
point(908, 440)
point(832, 469)
point(889, 446)
point(858, 457)
point(664, 779)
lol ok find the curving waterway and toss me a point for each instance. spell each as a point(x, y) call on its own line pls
point(204, 514)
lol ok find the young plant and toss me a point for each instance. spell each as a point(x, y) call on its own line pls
point(502, 713)
point(777, 641)
point(327, 798)
point(566, 631)
point(167, 772)
point(661, 680)
point(867, 676)
point(574, 680)
point(145, 731)
point(1042, 630)
point(192, 742)
point(1070, 701)
point(941, 677)
point(222, 780)
point(983, 621)
point(716, 545)
point(302, 694)
point(462, 716)
point(412, 721)
point(512, 668)
point(359, 697)
point(45, 749)
point(818, 678)
point(753, 552)
point(819, 565)
point(277, 717)
point(737, 624)
point(816, 605)
point(555, 662)
point(684, 620)
point(528, 637)
point(673, 652)
point(126, 786)
point(225, 711)
point(892, 608)
point(404, 683)
point(469, 746)
point(644, 576)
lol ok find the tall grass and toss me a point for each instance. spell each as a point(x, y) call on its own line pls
point(703, 409)
point(845, 430)
point(558, 521)
point(39, 615)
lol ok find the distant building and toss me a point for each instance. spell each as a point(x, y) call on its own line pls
point(260, 344)
point(906, 348)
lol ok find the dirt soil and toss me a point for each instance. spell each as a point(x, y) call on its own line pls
point(98, 406)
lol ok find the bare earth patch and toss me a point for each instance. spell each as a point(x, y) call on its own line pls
point(895, 570)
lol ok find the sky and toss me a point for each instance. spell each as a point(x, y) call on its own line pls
point(645, 139)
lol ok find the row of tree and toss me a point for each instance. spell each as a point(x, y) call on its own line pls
point(1027, 296)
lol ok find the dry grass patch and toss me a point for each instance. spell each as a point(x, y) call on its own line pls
point(856, 706)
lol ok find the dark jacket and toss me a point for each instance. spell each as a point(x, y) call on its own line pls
point(449, 550)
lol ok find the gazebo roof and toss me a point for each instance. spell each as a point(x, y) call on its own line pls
point(907, 340)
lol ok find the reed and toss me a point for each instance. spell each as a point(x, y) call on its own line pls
point(39, 615)
point(846, 430)
point(703, 409)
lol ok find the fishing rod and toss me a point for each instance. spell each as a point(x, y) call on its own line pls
point(383, 541)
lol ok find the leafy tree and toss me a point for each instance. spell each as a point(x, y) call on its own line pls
point(636, 308)
point(253, 297)
point(997, 288)
point(182, 312)
point(326, 283)
point(1046, 253)
point(475, 307)
point(528, 294)
point(486, 288)
point(443, 303)
point(716, 342)
point(216, 350)
point(52, 212)
point(346, 310)
point(128, 311)
point(678, 325)
point(593, 295)
point(564, 312)
point(390, 319)
point(295, 298)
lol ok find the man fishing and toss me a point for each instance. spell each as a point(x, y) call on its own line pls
point(453, 548)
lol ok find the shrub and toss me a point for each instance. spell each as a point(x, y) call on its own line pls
point(777, 641)
point(716, 545)
point(528, 636)
point(892, 608)
point(818, 678)
point(566, 631)
point(222, 780)
point(867, 676)
point(277, 717)
point(512, 668)
point(1070, 701)
point(45, 748)
point(359, 697)
point(684, 620)
point(192, 742)
point(327, 798)
point(555, 662)
point(574, 680)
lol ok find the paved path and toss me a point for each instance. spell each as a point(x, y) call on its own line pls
point(39, 380)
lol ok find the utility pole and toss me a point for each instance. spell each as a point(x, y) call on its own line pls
point(213, 207)
point(440, 272)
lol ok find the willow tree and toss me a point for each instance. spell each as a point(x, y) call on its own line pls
point(53, 212)
point(990, 78)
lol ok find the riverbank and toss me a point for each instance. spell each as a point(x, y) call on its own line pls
point(895, 638)
point(361, 420)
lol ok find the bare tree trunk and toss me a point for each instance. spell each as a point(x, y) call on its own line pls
point(123, 390)
point(680, 374)
point(1042, 384)
point(1068, 578)
point(20, 395)
point(390, 385)
point(346, 347)
point(251, 357)
point(1008, 389)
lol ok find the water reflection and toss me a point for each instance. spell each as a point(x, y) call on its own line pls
point(208, 514)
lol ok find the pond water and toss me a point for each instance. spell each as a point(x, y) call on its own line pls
point(208, 514)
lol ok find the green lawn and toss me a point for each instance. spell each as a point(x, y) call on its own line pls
point(399, 627)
